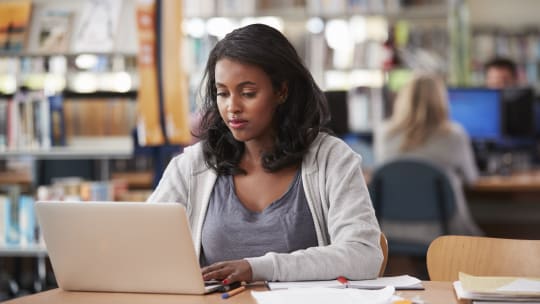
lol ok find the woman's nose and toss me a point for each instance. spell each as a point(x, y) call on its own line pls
point(234, 104)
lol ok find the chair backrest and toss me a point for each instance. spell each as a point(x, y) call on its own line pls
point(412, 190)
point(482, 256)
point(384, 247)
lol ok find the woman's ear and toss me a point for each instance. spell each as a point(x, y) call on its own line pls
point(283, 92)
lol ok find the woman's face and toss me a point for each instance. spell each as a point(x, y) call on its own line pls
point(246, 100)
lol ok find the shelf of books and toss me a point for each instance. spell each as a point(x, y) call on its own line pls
point(40, 126)
point(521, 45)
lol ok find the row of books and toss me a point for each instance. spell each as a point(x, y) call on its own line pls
point(84, 26)
point(329, 7)
point(194, 8)
point(99, 117)
point(31, 120)
point(77, 189)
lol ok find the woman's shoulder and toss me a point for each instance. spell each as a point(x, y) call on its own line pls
point(327, 146)
point(456, 131)
point(326, 141)
point(191, 156)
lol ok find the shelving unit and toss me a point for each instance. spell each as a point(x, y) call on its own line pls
point(34, 69)
point(357, 57)
point(81, 148)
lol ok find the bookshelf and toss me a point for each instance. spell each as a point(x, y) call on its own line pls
point(97, 119)
point(516, 35)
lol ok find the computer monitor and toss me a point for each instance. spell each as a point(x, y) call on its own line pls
point(537, 115)
point(337, 105)
point(478, 110)
point(518, 105)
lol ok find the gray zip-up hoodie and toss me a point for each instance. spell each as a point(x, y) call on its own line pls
point(347, 230)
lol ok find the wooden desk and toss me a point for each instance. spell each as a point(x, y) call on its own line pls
point(507, 206)
point(518, 182)
point(435, 293)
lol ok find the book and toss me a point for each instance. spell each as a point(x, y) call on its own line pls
point(11, 216)
point(3, 123)
point(512, 289)
point(3, 209)
point(402, 282)
point(57, 120)
point(54, 30)
point(97, 27)
point(27, 220)
point(149, 130)
point(14, 19)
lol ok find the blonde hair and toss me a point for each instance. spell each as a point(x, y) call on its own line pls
point(420, 108)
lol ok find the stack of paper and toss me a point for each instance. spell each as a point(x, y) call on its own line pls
point(398, 282)
point(321, 295)
point(507, 289)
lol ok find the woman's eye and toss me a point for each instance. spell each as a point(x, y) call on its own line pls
point(249, 94)
point(221, 94)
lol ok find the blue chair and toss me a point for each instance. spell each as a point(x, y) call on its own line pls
point(409, 190)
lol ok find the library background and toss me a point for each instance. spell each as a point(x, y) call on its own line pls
point(96, 96)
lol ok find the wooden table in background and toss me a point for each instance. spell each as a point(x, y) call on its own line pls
point(518, 182)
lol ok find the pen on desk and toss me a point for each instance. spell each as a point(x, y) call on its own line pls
point(233, 292)
point(343, 281)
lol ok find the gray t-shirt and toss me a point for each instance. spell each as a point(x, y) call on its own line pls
point(230, 231)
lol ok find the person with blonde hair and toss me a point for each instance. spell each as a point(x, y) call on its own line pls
point(420, 127)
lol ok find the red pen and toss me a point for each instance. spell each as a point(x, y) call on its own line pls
point(343, 281)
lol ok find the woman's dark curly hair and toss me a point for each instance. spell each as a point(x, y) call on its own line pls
point(298, 120)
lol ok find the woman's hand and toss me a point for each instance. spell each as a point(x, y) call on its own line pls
point(228, 272)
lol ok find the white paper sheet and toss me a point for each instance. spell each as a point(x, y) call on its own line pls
point(321, 295)
point(521, 285)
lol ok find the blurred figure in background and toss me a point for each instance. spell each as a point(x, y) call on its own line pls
point(420, 127)
point(500, 73)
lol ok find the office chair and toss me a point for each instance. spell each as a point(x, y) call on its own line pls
point(384, 248)
point(409, 190)
point(482, 256)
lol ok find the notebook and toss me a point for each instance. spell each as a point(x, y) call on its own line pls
point(121, 247)
point(402, 282)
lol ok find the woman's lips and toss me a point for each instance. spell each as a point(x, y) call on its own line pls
point(237, 123)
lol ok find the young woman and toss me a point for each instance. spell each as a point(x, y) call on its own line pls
point(420, 127)
point(269, 195)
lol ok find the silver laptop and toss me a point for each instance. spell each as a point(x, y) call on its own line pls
point(121, 247)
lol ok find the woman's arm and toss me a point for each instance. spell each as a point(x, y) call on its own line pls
point(173, 185)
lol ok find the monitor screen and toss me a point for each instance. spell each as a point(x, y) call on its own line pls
point(519, 113)
point(337, 105)
point(478, 111)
